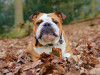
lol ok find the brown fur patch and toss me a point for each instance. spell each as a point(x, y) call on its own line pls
point(34, 22)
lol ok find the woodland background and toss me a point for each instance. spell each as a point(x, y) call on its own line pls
point(14, 14)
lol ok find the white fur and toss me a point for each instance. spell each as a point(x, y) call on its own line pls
point(62, 46)
point(67, 55)
point(45, 43)
point(42, 49)
point(48, 49)
point(47, 19)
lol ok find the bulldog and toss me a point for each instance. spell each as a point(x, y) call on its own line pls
point(48, 34)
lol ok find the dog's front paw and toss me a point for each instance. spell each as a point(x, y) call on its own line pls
point(68, 57)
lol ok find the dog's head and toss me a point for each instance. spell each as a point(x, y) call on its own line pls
point(47, 27)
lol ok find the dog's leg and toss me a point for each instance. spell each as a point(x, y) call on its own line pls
point(30, 50)
point(68, 51)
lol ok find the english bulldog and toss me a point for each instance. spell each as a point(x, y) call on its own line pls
point(48, 34)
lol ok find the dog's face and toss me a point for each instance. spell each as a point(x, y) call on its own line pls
point(47, 27)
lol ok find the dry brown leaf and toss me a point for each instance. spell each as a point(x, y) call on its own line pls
point(3, 55)
point(32, 65)
point(11, 65)
point(29, 73)
point(57, 52)
point(10, 73)
point(95, 71)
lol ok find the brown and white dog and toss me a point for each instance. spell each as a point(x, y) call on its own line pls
point(48, 34)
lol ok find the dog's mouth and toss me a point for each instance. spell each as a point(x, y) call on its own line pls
point(47, 33)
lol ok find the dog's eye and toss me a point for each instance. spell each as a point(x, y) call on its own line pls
point(38, 23)
point(55, 22)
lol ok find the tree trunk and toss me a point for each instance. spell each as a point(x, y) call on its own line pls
point(18, 5)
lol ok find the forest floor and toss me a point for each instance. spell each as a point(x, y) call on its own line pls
point(85, 43)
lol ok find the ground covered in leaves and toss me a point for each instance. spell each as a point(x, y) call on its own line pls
point(85, 43)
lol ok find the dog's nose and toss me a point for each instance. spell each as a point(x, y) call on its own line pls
point(47, 24)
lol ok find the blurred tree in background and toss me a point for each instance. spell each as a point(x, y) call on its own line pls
point(18, 6)
point(74, 10)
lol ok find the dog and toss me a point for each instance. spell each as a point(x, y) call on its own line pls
point(48, 34)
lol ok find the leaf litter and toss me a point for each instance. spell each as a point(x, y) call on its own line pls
point(85, 44)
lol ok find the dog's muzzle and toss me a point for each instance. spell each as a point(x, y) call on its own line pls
point(47, 30)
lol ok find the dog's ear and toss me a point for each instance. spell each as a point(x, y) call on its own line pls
point(60, 15)
point(34, 16)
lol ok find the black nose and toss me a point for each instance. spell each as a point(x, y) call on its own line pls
point(47, 24)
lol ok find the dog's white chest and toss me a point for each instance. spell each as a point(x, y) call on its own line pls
point(48, 49)
point(42, 49)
